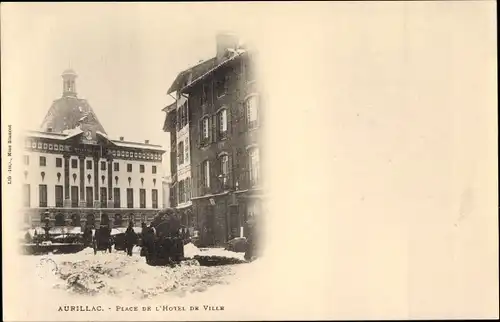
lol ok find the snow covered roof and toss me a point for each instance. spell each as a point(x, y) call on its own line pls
point(236, 54)
point(46, 135)
point(191, 72)
point(72, 132)
point(138, 145)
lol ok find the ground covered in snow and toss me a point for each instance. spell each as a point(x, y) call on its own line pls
point(118, 275)
point(111, 281)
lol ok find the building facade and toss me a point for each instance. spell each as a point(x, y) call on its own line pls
point(224, 123)
point(75, 174)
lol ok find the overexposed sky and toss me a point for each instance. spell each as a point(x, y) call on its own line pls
point(381, 146)
point(126, 57)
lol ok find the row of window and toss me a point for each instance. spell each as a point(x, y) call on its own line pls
point(74, 164)
point(75, 219)
point(222, 83)
point(117, 153)
point(224, 170)
point(221, 88)
point(89, 197)
point(221, 121)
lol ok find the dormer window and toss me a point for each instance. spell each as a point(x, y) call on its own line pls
point(221, 85)
point(204, 94)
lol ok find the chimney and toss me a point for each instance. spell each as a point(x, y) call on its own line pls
point(121, 138)
point(146, 141)
point(49, 129)
point(224, 41)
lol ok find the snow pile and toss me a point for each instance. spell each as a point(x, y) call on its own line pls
point(190, 251)
point(118, 275)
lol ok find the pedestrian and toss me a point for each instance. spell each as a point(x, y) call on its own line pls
point(130, 238)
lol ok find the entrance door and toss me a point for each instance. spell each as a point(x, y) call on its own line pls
point(234, 221)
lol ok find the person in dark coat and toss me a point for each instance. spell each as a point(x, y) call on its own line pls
point(87, 235)
point(130, 238)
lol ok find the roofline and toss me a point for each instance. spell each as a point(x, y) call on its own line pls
point(62, 135)
point(138, 143)
point(213, 69)
point(173, 88)
point(45, 132)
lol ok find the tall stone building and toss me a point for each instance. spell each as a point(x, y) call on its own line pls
point(218, 113)
point(75, 174)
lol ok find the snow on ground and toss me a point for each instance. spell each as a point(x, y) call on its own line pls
point(191, 250)
point(118, 275)
point(117, 279)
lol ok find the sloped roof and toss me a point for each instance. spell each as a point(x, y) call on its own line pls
point(193, 72)
point(234, 56)
point(67, 112)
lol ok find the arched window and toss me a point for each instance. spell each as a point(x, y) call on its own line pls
point(90, 220)
point(75, 220)
point(254, 165)
point(222, 123)
point(252, 111)
point(104, 220)
point(118, 220)
point(45, 218)
point(59, 220)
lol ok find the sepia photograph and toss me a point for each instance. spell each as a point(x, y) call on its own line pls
point(249, 161)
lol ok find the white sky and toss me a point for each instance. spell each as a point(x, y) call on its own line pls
point(126, 57)
point(381, 150)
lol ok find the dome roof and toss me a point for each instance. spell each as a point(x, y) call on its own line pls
point(69, 71)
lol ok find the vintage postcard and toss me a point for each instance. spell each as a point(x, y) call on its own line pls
point(232, 161)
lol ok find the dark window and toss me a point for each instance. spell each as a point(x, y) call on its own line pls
point(60, 221)
point(26, 195)
point(43, 195)
point(130, 198)
point(26, 160)
point(58, 162)
point(118, 220)
point(116, 166)
point(74, 196)
point(59, 196)
point(154, 197)
point(181, 192)
point(89, 191)
point(141, 168)
point(103, 165)
point(204, 94)
point(129, 167)
point(221, 85)
point(205, 172)
point(180, 153)
point(75, 220)
point(89, 164)
point(104, 197)
point(43, 161)
point(153, 169)
point(74, 163)
point(116, 194)
point(142, 198)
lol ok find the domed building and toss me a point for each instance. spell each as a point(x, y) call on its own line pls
point(75, 174)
